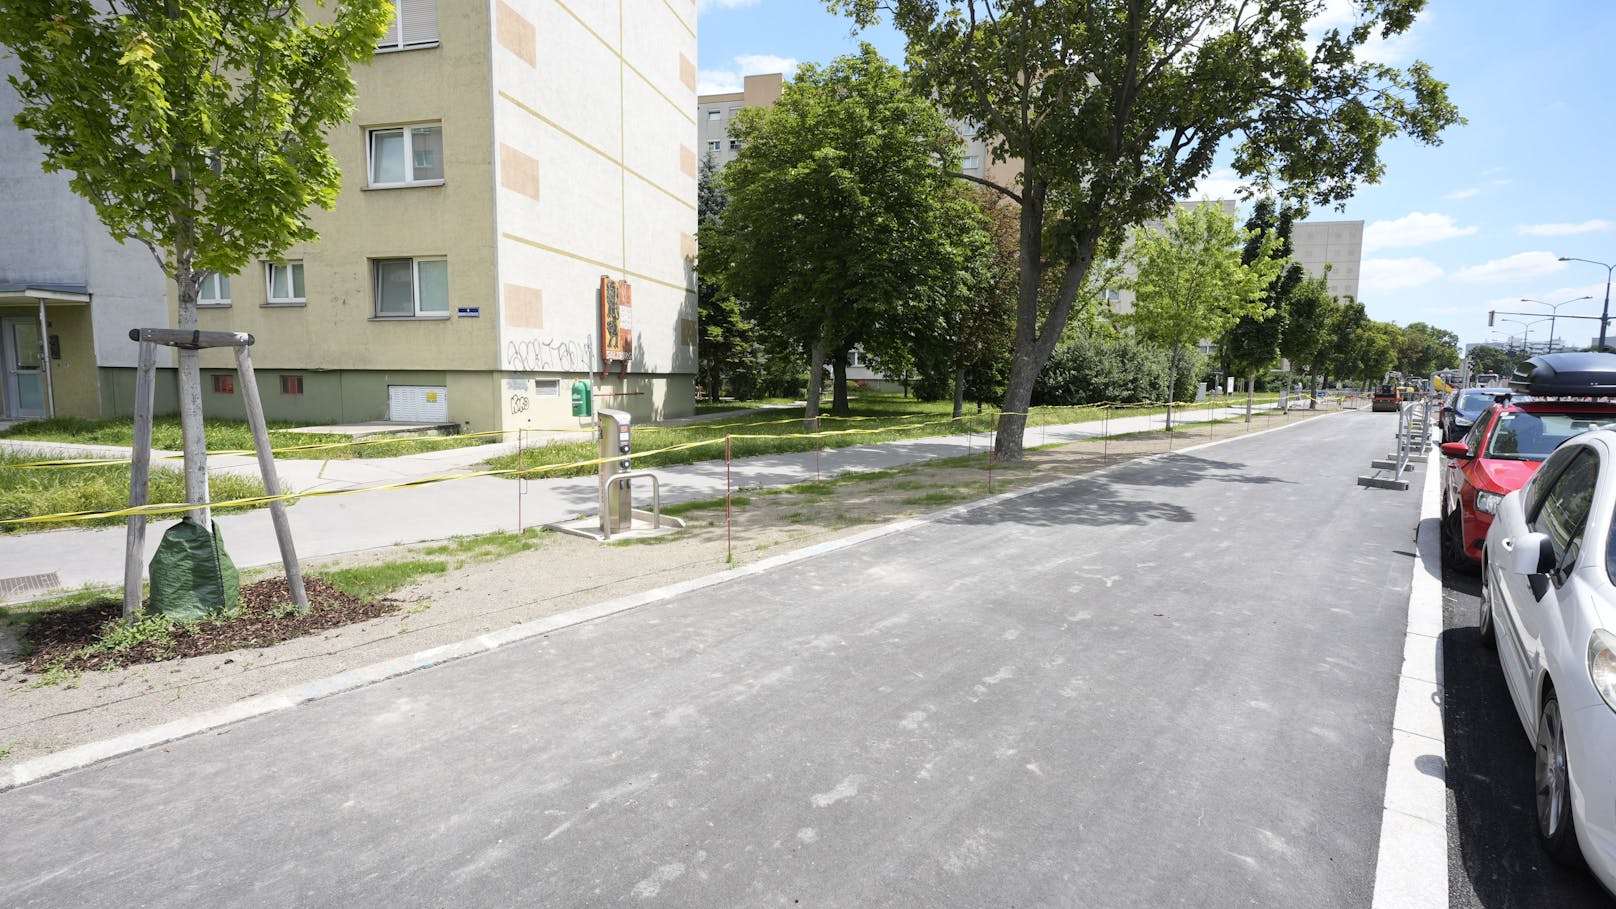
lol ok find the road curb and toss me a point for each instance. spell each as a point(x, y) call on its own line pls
point(1411, 870)
point(82, 756)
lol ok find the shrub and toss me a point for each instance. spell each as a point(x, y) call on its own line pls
point(1089, 370)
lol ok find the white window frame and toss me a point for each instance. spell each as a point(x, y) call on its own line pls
point(734, 144)
point(970, 162)
point(422, 15)
point(715, 145)
point(415, 290)
point(408, 132)
point(291, 285)
point(715, 115)
point(216, 281)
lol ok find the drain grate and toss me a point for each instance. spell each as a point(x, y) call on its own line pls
point(28, 584)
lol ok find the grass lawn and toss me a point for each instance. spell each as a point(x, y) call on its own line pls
point(26, 492)
point(874, 418)
point(231, 435)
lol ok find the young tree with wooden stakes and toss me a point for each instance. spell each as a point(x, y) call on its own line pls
point(1115, 108)
point(196, 128)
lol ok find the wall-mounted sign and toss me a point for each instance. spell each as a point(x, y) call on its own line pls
point(616, 321)
point(469, 312)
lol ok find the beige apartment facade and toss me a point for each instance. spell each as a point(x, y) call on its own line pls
point(715, 113)
point(488, 189)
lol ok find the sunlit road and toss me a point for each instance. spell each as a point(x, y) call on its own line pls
point(1170, 684)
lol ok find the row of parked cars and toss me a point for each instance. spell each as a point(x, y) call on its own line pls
point(1529, 499)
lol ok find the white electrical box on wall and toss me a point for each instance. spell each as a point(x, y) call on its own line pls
point(418, 403)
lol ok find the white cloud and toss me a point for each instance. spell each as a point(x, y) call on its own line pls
point(1465, 193)
point(759, 64)
point(1518, 267)
point(1397, 274)
point(725, 81)
point(1343, 15)
point(717, 82)
point(1413, 229)
point(1218, 185)
point(1563, 230)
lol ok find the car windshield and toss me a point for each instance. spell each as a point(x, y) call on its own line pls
point(1534, 436)
point(1472, 403)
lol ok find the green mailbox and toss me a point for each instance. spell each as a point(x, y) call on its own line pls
point(583, 399)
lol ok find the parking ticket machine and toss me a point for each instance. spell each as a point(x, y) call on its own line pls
point(616, 502)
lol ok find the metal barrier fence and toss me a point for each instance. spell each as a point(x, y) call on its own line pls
point(1413, 439)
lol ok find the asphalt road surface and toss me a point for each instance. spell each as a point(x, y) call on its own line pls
point(1169, 685)
point(1494, 861)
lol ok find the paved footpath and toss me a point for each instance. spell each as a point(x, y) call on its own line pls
point(352, 523)
point(1140, 688)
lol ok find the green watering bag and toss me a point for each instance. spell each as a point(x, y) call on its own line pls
point(191, 576)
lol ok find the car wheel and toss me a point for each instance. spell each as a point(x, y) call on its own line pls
point(1484, 619)
point(1453, 543)
point(1555, 829)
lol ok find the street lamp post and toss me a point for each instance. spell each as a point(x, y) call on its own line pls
point(1604, 314)
point(1526, 331)
point(1555, 308)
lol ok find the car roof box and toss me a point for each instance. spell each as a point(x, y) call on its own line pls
point(1587, 374)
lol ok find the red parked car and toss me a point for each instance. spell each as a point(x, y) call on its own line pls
point(1511, 438)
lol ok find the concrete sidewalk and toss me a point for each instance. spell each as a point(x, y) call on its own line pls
point(370, 520)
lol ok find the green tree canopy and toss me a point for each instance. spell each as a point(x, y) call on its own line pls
point(1497, 360)
point(195, 127)
point(1425, 349)
point(965, 350)
point(840, 224)
point(1253, 342)
point(1115, 109)
point(1192, 283)
point(1307, 319)
point(728, 349)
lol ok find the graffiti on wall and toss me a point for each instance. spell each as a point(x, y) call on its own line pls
point(550, 355)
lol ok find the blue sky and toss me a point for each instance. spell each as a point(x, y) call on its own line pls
point(1452, 231)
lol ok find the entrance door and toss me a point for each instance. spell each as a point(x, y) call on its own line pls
point(21, 368)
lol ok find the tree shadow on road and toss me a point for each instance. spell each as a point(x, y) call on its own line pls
point(1179, 470)
point(1085, 502)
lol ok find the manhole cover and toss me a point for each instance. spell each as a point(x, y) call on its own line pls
point(28, 585)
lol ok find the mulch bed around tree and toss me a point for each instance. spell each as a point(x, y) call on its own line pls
point(264, 619)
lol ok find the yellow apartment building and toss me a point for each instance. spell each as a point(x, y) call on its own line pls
point(510, 168)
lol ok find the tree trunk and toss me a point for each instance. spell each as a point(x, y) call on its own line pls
point(816, 370)
point(959, 392)
point(1034, 342)
point(1251, 378)
point(1172, 382)
point(838, 375)
point(188, 283)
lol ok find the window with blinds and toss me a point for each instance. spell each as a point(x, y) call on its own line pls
point(415, 25)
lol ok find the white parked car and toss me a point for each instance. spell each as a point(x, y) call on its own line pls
point(1548, 602)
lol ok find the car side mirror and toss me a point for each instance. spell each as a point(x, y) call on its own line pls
point(1455, 450)
point(1530, 553)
